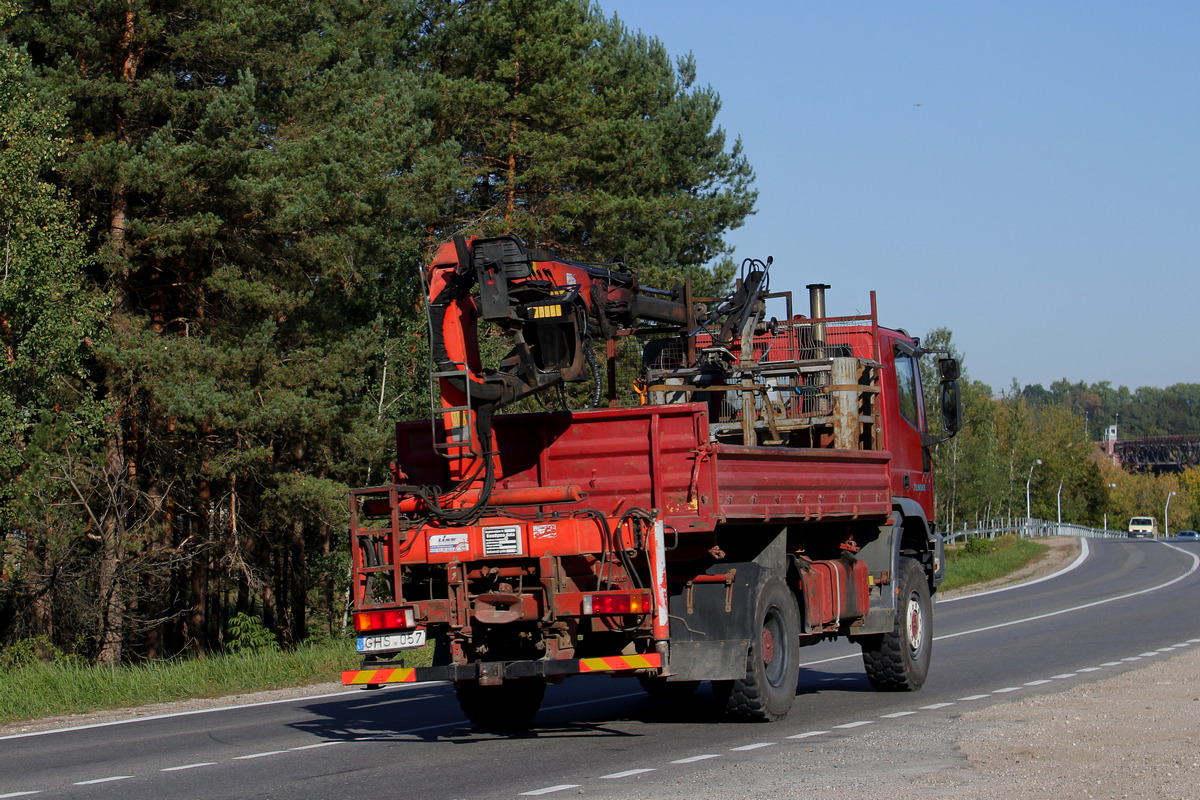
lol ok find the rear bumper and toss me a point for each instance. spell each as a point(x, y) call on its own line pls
point(505, 670)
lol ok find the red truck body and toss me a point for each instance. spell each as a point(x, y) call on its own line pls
point(704, 534)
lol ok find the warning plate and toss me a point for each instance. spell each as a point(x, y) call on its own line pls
point(502, 540)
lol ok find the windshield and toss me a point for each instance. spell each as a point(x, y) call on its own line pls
point(1147, 521)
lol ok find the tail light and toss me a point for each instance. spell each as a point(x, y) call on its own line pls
point(612, 603)
point(390, 619)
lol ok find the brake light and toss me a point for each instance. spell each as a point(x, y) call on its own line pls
point(616, 603)
point(387, 620)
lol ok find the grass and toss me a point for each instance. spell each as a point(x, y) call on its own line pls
point(37, 690)
point(980, 560)
point(34, 689)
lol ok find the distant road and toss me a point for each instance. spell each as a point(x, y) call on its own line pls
point(1128, 602)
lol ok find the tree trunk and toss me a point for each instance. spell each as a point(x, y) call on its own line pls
point(299, 581)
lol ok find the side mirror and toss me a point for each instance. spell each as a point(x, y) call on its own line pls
point(951, 395)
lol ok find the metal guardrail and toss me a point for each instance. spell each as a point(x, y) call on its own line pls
point(1026, 528)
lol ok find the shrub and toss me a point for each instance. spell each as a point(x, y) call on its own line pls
point(248, 635)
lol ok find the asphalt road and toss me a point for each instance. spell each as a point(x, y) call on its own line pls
point(1125, 603)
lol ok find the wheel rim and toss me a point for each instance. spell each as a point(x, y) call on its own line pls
point(772, 646)
point(915, 617)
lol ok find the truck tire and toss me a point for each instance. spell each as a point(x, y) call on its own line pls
point(508, 707)
point(899, 661)
point(767, 692)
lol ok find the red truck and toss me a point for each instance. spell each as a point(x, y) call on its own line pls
point(743, 487)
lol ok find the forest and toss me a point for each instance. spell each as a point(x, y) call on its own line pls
point(214, 214)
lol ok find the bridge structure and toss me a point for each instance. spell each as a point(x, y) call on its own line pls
point(1158, 453)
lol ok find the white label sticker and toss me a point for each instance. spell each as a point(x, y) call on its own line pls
point(549, 531)
point(502, 540)
point(448, 543)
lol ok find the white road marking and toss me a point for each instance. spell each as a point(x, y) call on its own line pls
point(974, 697)
point(856, 724)
point(104, 780)
point(694, 759)
point(190, 766)
point(626, 773)
point(317, 745)
point(1007, 689)
point(1148, 655)
point(1195, 566)
point(1083, 554)
point(1063, 676)
point(259, 755)
point(19, 794)
point(1132, 658)
point(1042, 682)
point(1111, 664)
point(1088, 669)
point(936, 706)
point(898, 714)
point(807, 734)
point(550, 789)
point(408, 686)
point(754, 746)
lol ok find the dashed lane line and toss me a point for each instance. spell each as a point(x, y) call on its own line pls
point(807, 734)
point(549, 789)
point(754, 746)
point(259, 755)
point(104, 780)
point(626, 773)
point(694, 759)
point(189, 766)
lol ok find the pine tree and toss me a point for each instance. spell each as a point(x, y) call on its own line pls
point(582, 137)
point(255, 176)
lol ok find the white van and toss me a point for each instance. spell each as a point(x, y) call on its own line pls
point(1143, 528)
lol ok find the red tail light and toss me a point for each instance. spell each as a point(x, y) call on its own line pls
point(390, 619)
point(610, 603)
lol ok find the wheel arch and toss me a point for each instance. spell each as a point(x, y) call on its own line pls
point(919, 540)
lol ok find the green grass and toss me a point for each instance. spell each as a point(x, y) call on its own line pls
point(980, 560)
point(37, 690)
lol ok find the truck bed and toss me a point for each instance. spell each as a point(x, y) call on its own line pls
point(660, 456)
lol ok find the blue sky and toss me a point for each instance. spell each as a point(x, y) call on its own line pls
point(1026, 174)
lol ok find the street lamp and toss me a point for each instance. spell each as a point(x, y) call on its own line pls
point(1167, 515)
point(1028, 514)
point(1060, 483)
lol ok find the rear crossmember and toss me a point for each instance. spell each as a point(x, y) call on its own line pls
point(500, 670)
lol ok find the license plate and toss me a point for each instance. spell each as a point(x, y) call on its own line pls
point(391, 641)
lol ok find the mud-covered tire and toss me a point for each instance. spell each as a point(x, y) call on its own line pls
point(768, 690)
point(506, 708)
point(668, 691)
point(899, 661)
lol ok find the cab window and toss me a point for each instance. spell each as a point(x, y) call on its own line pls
point(907, 388)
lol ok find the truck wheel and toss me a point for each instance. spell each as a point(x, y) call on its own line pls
point(899, 661)
point(668, 691)
point(767, 692)
point(508, 707)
